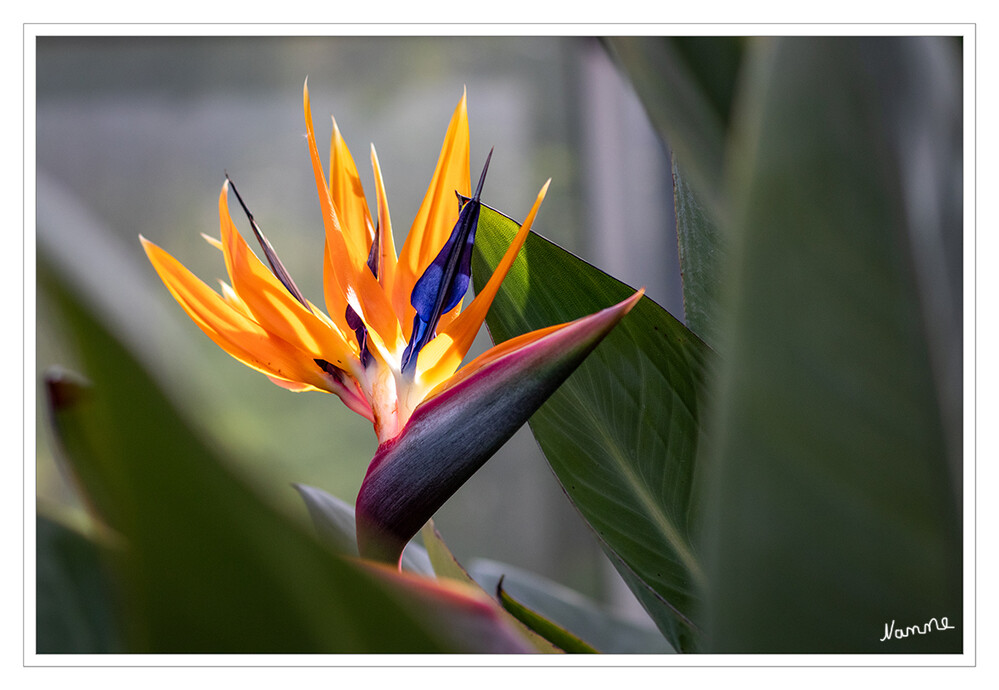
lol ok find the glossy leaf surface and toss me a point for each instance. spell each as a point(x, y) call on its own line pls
point(622, 433)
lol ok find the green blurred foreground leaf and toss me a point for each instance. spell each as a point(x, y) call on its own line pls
point(833, 509)
point(75, 598)
point(335, 522)
point(207, 566)
point(621, 434)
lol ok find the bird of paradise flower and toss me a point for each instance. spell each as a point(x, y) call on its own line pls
point(395, 332)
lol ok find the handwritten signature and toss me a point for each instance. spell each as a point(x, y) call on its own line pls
point(928, 627)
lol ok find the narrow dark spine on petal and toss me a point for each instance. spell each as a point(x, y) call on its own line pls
point(277, 268)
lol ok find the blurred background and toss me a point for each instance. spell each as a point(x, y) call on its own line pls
point(134, 135)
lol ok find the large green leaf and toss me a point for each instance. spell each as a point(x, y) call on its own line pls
point(702, 259)
point(833, 510)
point(621, 434)
point(207, 566)
point(687, 86)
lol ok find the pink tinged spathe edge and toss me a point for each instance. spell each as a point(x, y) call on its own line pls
point(452, 434)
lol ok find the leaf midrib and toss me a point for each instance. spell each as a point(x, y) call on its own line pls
point(640, 489)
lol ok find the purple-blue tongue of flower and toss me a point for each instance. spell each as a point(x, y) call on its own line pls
point(445, 281)
point(353, 320)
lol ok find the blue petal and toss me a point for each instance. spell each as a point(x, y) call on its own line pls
point(446, 279)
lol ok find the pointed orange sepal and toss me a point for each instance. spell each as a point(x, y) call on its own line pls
point(438, 212)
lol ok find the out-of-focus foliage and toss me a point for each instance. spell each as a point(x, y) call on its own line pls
point(820, 255)
point(835, 505)
point(76, 610)
point(205, 565)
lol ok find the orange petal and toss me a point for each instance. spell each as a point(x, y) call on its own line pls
point(442, 355)
point(232, 330)
point(212, 241)
point(348, 196)
point(346, 270)
point(491, 355)
point(270, 303)
point(387, 259)
point(437, 214)
point(292, 386)
point(338, 265)
point(336, 303)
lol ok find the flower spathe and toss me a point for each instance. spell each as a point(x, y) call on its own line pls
point(395, 329)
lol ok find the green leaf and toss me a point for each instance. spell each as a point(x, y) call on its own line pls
point(332, 518)
point(713, 62)
point(687, 86)
point(443, 561)
point(446, 566)
point(572, 611)
point(207, 566)
point(335, 523)
point(553, 632)
point(76, 610)
point(702, 259)
point(834, 508)
point(621, 433)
